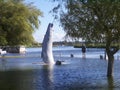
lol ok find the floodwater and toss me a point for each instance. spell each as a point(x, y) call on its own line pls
point(28, 72)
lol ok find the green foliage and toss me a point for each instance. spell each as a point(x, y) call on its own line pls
point(17, 22)
point(92, 20)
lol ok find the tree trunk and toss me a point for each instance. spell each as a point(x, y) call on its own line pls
point(110, 65)
point(110, 83)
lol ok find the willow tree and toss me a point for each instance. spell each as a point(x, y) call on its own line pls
point(17, 22)
point(95, 21)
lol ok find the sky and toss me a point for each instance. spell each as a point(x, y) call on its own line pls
point(45, 6)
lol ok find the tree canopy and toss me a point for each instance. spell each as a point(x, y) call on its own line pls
point(95, 21)
point(92, 20)
point(17, 22)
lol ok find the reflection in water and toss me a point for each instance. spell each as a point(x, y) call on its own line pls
point(44, 78)
point(47, 75)
point(89, 74)
point(3, 64)
point(110, 83)
point(30, 79)
point(16, 80)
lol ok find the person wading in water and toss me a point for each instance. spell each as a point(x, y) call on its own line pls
point(83, 51)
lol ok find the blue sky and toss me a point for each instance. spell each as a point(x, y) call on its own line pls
point(45, 6)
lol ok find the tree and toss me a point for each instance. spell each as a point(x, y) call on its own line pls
point(95, 21)
point(17, 22)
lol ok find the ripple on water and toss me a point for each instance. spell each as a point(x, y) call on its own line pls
point(74, 74)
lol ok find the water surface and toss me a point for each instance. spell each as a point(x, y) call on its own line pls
point(28, 72)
